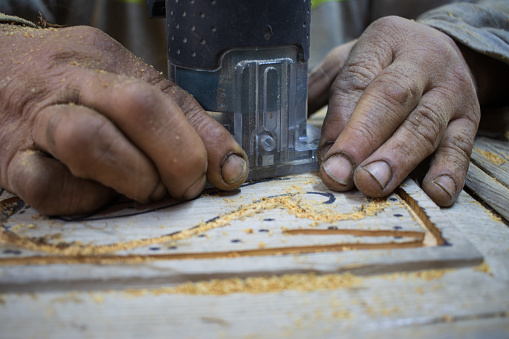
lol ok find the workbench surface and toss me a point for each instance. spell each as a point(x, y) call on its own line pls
point(281, 258)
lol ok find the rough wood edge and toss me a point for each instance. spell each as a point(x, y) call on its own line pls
point(491, 191)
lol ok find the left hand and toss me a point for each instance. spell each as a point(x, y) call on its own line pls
point(402, 93)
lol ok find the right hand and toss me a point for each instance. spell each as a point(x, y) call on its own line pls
point(84, 120)
point(402, 93)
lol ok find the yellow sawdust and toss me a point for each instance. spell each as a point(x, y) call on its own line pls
point(493, 157)
point(291, 203)
point(427, 275)
point(255, 285)
point(484, 267)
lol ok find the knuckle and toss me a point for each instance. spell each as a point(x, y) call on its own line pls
point(355, 78)
point(205, 125)
point(427, 126)
point(397, 89)
point(364, 135)
point(141, 104)
point(390, 22)
point(184, 100)
point(80, 141)
point(459, 146)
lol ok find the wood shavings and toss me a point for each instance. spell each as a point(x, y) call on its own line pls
point(257, 285)
point(428, 275)
point(291, 203)
point(492, 215)
point(494, 158)
point(484, 267)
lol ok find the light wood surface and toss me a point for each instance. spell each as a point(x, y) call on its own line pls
point(282, 258)
point(488, 175)
point(441, 303)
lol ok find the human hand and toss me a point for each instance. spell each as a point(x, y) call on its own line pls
point(83, 120)
point(401, 94)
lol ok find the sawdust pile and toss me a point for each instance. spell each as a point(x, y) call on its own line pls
point(257, 285)
point(493, 157)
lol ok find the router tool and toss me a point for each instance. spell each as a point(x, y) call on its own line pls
point(246, 63)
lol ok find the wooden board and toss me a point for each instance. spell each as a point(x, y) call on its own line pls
point(135, 290)
point(488, 175)
point(284, 225)
point(465, 302)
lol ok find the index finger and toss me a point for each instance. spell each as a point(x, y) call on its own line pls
point(154, 123)
point(370, 98)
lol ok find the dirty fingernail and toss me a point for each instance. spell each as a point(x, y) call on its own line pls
point(158, 193)
point(195, 189)
point(233, 168)
point(339, 168)
point(380, 171)
point(446, 183)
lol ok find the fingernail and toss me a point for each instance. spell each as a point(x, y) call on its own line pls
point(446, 183)
point(380, 171)
point(234, 168)
point(195, 189)
point(158, 193)
point(339, 168)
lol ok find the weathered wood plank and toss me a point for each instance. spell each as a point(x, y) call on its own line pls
point(377, 305)
point(91, 300)
point(490, 190)
point(485, 230)
point(235, 249)
point(492, 156)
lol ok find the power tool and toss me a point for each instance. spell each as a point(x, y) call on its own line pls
point(246, 63)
